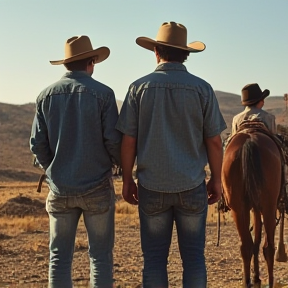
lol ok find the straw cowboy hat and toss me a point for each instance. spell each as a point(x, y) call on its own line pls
point(80, 47)
point(251, 94)
point(171, 34)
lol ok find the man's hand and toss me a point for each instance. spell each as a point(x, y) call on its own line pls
point(128, 154)
point(214, 190)
point(215, 156)
point(130, 192)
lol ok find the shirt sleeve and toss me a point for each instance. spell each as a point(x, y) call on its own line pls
point(112, 137)
point(39, 142)
point(273, 125)
point(214, 122)
point(234, 126)
point(128, 119)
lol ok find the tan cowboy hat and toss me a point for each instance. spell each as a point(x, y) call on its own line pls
point(80, 47)
point(171, 34)
point(251, 94)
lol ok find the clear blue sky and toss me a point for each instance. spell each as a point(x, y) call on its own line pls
point(247, 41)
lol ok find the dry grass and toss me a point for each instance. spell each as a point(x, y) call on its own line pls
point(126, 214)
point(123, 207)
point(81, 243)
point(38, 246)
point(25, 242)
point(9, 190)
point(13, 226)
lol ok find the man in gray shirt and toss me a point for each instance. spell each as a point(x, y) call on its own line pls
point(253, 98)
point(171, 121)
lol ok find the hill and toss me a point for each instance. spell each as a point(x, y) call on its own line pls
point(15, 156)
point(16, 120)
point(230, 105)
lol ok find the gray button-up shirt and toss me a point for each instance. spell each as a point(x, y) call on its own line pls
point(170, 112)
point(267, 118)
point(73, 134)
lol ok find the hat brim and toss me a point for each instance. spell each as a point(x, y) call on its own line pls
point(149, 44)
point(265, 94)
point(101, 54)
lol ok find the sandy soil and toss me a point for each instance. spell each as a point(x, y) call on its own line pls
point(24, 246)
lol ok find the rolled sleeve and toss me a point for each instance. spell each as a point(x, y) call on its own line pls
point(214, 122)
point(128, 119)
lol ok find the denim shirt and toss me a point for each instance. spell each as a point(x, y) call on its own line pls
point(73, 133)
point(170, 112)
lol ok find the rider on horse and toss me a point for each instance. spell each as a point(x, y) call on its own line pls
point(253, 117)
point(253, 99)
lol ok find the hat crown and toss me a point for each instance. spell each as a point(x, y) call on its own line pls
point(251, 94)
point(172, 33)
point(80, 47)
point(77, 45)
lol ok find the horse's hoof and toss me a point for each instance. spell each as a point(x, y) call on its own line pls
point(247, 284)
point(281, 257)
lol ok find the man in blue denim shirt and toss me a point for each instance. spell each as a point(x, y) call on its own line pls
point(171, 121)
point(75, 141)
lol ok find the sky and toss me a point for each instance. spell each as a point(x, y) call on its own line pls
point(246, 42)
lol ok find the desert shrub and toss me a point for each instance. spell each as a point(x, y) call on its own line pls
point(123, 207)
point(81, 244)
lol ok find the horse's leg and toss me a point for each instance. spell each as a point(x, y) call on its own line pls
point(242, 221)
point(257, 241)
point(269, 248)
point(281, 255)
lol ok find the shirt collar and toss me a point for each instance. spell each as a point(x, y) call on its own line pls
point(249, 108)
point(78, 74)
point(171, 66)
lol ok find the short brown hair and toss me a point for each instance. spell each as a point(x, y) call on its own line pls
point(79, 65)
point(256, 103)
point(168, 53)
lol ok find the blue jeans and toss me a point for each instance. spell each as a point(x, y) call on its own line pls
point(98, 208)
point(157, 212)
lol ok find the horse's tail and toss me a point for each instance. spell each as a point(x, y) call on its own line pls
point(253, 179)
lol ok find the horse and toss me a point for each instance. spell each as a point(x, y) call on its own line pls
point(251, 181)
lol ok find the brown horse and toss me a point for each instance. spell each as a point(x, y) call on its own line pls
point(251, 179)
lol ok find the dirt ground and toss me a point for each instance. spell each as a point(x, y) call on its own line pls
point(24, 239)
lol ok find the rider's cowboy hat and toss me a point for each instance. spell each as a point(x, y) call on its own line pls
point(171, 34)
point(251, 94)
point(80, 47)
